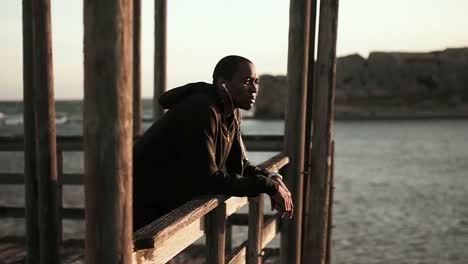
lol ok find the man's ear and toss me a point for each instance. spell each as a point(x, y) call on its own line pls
point(221, 82)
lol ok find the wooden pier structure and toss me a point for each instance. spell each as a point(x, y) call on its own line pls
point(112, 120)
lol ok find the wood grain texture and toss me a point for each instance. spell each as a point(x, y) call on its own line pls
point(166, 249)
point(75, 143)
point(233, 204)
point(137, 105)
point(150, 240)
point(160, 25)
point(309, 107)
point(215, 232)
point(331, 191)
point(271, 227)
point(239, 254)
point(30, 174)
point(167, 225)
point(315, 243)
point(44, 108)
point(255, 234)
point(108, 129)
point(299, 15)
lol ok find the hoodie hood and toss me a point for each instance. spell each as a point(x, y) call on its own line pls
point(174, 96)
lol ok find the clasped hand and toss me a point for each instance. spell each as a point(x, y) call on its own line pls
point(282, 200)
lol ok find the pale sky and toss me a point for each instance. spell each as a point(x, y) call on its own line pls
point(202, 32)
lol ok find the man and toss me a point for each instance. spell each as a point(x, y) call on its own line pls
point(196, 147)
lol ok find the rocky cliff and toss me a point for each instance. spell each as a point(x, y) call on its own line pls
point(386, 85)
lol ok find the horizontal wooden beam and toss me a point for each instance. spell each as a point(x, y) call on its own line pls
point(181, 227)
point(18, 212)
point(18, 179)
point(271, 227)
point(75, 143)
point(233, 204)
point(238, 255)
point(275, 163)
point(168, 247)
point(167, 225)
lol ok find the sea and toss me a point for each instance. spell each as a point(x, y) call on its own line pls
point(401, 185)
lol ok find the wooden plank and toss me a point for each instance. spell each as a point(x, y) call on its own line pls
point(108, 130)
point(65, 143)
point(331, 190)
point(239, 254)
point(270, 229)
point(19, 212)
point(75, 143)
point(228, 239)
point(18, 179)
point(60, 193)
point(164, 227)
point(215, 232)
point(165, 249)
point(263, 142)
point(160, 21)
point(233, 204)
point(31, 183)
point(323, 115)
point(137, 106)
point(275, 163)
point(255, 235)
point(309, 105)
point(299, 16)
point(44, 109)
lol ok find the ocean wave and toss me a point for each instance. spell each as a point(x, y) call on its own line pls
point(17, 119)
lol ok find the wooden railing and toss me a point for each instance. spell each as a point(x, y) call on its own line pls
point(75, 143)
point(161, 240)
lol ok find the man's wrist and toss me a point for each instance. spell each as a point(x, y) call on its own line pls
point(273, 175)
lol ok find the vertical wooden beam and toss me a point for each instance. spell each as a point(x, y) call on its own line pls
point(60, 193)
point(137, 105)
point(331, 190)
point(215, 226)
point(228, 244)
point(323, 115)
point(160, 22)
point(309, 105)
point(255, 235)
point(46, 137)
point(31, 184)
point(299, 14)
point(108, 130)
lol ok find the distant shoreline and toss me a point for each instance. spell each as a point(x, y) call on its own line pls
point(379, 118)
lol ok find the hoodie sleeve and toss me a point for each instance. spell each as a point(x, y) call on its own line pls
point(238, 162)
point(200, 156)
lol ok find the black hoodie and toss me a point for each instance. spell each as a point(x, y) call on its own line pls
point(191, 150)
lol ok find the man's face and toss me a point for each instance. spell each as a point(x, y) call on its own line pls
point(244, 86)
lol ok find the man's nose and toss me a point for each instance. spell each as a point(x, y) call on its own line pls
point(253, 88)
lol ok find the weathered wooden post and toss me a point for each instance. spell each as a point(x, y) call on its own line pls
point(315, 241)
point(331, 191)
point(60, 193)
point(215, 226)
point(137, 106)
point(160, 21)
point(31, 184)
point(308, 137)
point(299, 14)
point(255, 235)
point(108, 130)
point(44, 108)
